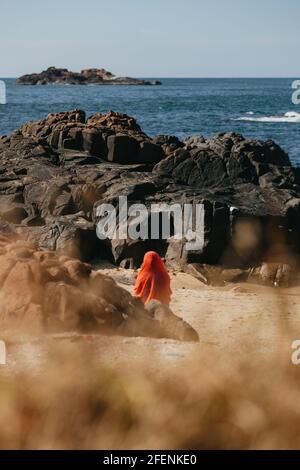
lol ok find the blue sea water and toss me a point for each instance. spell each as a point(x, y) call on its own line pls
point(254, 107)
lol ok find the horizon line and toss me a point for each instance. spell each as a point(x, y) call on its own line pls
point(199, 78)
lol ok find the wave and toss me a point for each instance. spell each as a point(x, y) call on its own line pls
point(291, 116)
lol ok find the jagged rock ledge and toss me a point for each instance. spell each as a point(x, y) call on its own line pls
point(58, 76)
point(54, 173)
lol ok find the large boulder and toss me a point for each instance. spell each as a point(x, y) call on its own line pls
point(72, 236)
point(122, 149)
point(225, 159)
point(112, 136)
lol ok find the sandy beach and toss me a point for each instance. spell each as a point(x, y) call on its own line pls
point(232, 321)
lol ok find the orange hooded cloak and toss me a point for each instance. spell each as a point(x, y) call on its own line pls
point(153, 280)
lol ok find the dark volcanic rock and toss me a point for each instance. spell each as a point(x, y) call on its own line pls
point(122, 149)
point(75, 237)
point(223, 160)
point(93, 76)
point(54, 173)
point(113, 136)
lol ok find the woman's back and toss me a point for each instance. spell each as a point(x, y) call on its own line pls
point(153, 280)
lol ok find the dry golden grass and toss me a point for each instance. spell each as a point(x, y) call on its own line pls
point(208, 401)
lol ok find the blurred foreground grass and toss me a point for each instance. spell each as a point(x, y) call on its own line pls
point(208, 401)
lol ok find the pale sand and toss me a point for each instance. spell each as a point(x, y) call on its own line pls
point(234, 319)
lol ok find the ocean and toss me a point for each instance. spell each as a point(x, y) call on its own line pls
point(257, 108)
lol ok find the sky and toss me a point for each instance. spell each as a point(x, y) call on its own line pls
point(152, 38)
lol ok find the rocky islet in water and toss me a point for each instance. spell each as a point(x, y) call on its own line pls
point(94, 76)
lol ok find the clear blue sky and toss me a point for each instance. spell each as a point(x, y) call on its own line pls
point(152, 38)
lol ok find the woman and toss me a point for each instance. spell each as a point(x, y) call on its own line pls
point(153, 280)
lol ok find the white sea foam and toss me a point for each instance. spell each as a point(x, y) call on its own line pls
point(291, 116)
